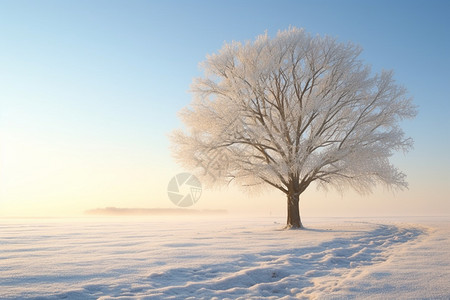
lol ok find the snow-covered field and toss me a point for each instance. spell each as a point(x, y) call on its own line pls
point(225, 258)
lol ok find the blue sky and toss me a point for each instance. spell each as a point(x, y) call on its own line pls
point(89, 91)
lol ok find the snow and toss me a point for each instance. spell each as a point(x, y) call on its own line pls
point(224, 258)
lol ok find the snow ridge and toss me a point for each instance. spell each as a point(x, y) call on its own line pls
point(297, 273)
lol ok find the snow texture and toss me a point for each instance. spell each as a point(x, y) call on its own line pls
point(224, 259)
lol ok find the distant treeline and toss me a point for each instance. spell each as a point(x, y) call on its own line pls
point(116, 211)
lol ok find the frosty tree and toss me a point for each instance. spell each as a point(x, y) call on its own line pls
point(292, 110)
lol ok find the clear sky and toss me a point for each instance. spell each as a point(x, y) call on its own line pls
point(89, 91)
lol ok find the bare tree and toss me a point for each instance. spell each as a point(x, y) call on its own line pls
point(292, 110)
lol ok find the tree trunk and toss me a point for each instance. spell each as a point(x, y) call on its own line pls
point(293, 212)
